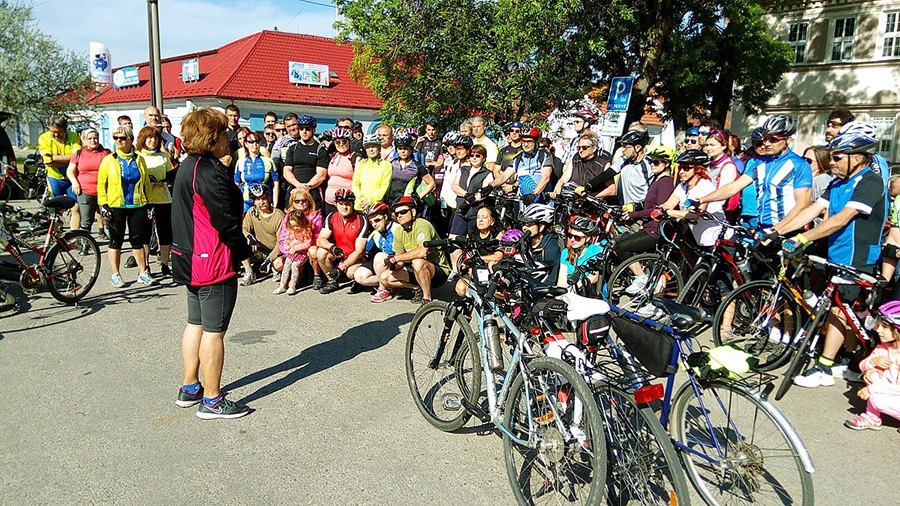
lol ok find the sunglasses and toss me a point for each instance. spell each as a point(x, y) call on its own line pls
point(301, 201)
point(376, 219)
point(837, 158)
point(584, 148)
point(269, 133)
point(808, 160)
point(120, 138)
point(341, 141)
point(281, 130)
point(402, 212)
point(519, 130)
point(657, 162)
point(576, 237)
point(475, 155)
point(834, 124)
point(251, 142)
point(691, 141)
point(772, 139)
point(306, 128)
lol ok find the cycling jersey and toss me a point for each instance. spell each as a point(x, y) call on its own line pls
point(158, 166)
point(122, 180)
point(776, 178)
point(254, 170)
point(430, 150)
point(371, 181)
point(507, 154)
point(382, 241)
point(634, 180)
point(405, 178)
point(422, 230)
point(305, 160)
point(345, 231)
point(858, 243)
point(49, 147)
point(528, 169)
point(880, 166)
point(590, 251)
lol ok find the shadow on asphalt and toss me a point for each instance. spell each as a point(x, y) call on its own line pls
point(319, 357)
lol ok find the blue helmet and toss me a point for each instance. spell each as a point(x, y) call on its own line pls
point(694, 130)
point(404, 139)
point(514, 124)
point(855, 137)
point(307, 120)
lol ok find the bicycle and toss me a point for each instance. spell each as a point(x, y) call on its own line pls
point(735, 445)
point(33, 181)
point(552, 430)
point(68, 263)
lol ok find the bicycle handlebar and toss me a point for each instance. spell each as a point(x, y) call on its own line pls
point(874, 280)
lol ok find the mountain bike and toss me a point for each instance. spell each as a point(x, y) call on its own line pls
point(68, 263)
point(33, 181)
point(553, 441)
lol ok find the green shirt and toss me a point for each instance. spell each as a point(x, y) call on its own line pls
point(420, 232)
point(895, 212)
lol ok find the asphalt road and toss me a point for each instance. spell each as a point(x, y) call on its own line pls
point(86, 394)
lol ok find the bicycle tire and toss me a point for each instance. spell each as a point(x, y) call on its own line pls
point(622, 277)
point(755, 462)
point(438, 393)
point(5, 193)
point(750, 304)
point(74, 254)
point(644, 467)
point(694, 287)
point(797, 364)
point(580, 461)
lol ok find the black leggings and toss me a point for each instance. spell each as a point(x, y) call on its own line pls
point(162, 214)
point(136, 219)
point(632, 243)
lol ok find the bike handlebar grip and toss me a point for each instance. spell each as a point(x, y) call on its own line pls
point(435, 244)
point(817, 260)
point(492, 287)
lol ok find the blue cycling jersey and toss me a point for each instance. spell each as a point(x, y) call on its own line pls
point(858, 243)
point(528, 170)
point(383, 241)
point(776, 178)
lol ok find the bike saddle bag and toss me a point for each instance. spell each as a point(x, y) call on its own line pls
point(651, 347)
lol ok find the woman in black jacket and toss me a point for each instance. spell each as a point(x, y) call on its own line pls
point(207, 249)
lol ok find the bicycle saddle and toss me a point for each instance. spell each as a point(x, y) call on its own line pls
point(62, 202)
point(540, 289)
point(682, 316)
point(581, 308)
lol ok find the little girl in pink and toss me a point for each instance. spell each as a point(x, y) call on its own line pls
point(881, 372)
point(294, 242)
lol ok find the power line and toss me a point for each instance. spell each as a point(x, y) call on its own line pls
point(331, 6)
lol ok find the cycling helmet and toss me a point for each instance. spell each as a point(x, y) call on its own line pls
point(342, 133)
point(568, 189)
point(890, 311)
point(464, 140)
point(855, 137)
point(664, 153)
point(343, 195)
point(636, 137)
point(694, 130)
point(371, 139)
point(693, 157)
point(586, 116)
point(450, 138)
point(780, 125)
point(537, 213)
point(357, 125)
point(756, 135)
point(512, 235)
point(327, 135)
point(407, 201)
point(515, 124)
point(584, 224)
point(377, 208)
point(532, 133)
point(404, 139)
point(307, 120)
point(258, 190)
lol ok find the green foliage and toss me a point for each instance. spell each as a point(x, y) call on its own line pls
point(520, 59)
point(38, 77)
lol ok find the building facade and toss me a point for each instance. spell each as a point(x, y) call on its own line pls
point(846, 55)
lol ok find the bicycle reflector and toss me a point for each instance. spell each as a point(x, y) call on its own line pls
point(649, 393)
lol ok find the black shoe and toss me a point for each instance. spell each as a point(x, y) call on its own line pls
point(330, 286)
point(131, 263)
point(186, 399)
point(358, 288)
point(318, 283)
point(223, 408)
point(165, 270)
point(102, 234)
point(418, 296)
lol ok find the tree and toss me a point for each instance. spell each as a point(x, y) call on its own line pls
point(38, 77)
point(510, 59)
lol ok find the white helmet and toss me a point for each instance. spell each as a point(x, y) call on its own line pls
point(537, 213)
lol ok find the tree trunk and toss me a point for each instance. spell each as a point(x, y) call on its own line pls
point(665, 21)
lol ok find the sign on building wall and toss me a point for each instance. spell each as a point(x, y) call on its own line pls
point(190, 70)
point(308, 73)
point(100, 63)
point(126, 76)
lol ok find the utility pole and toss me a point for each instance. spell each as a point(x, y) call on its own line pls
point(156, 95)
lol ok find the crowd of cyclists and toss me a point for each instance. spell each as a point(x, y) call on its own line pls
point(358, 208)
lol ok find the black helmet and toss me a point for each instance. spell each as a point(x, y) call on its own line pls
point(584, 224)
point(258, 190)
point(693, 157)
point(635, 137)
point(780, 125)
point(757, 134)
point(464, 140)
point(404, 139)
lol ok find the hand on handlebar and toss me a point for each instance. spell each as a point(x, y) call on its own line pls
point(691, 205)
point(766, 236)
point(528, 199)
point(659, 214)
point(793, 247)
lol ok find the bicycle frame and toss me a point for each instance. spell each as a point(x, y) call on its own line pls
point(11, 244)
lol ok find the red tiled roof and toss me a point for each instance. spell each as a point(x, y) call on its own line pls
point(256, 68)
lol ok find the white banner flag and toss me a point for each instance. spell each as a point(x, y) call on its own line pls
point(100, 63)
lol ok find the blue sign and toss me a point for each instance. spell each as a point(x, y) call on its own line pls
point(126, 76)
point(619, 94)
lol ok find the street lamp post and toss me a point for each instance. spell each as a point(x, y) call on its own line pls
point(156, 96)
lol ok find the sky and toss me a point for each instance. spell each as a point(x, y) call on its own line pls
point(185, 26)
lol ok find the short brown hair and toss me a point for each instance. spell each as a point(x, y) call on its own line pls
point(147, 132)
point(200, 130)
point(478, 149)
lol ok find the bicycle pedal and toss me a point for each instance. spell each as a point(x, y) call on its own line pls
point(451, 402)
point(475, 410)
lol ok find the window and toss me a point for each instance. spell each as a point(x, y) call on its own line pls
point(891, 41)
point(842, 41)
point(885, 126)
point(797, 40)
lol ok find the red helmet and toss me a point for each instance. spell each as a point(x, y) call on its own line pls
point(343, 195)
point(377, 208)
point(532, 133)
point(587, 116)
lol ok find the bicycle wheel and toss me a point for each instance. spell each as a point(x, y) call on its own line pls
point(553, 409)
point(696, 288)
point(798, 362)
point(668, 284)
point(438, 391)
point(643, 465)
point(5, 193)
point(73, 265)
point(759, 461)
point(746, 317)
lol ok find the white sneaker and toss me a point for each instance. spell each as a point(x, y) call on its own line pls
point(838, 371)
point(637, 285)
point(814, 378)
point(650, 311)
point(247, 278)
point(775, 335)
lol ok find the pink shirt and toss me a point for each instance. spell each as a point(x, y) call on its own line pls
point(86, 169)
point(340, 174)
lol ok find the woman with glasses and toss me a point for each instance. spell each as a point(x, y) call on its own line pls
point(340, 167)
point(472, 177)
point(407, 172)
point(694, 184)
point(579, 248)
point(82, 173)
point(300, 199)
point(161, 172)
point(254, 168)
point(122, 188)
